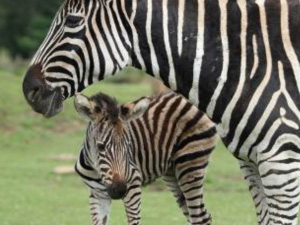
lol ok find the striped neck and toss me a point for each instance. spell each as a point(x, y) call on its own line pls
point(168, 43)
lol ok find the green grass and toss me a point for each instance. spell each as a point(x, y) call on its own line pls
point(31, 194)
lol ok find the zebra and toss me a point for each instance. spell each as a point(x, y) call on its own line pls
point(132, 145)
point(241, 58)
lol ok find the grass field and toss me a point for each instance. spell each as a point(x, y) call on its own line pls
point(31, 194)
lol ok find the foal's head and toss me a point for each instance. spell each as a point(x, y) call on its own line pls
point(109, 138)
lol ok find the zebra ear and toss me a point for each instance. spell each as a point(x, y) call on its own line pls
point(83, 106)
point(135, 110)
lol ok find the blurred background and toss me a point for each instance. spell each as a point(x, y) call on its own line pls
point(37, 183)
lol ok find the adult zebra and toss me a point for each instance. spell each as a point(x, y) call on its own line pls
point(241, 58)
point(132, 145)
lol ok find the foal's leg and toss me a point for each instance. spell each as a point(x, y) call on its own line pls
point(99, 204)
point(99, 199)
point(173, 185)
point(190, 172)
point(191, 157)
point(191, 185)
point(132, 200)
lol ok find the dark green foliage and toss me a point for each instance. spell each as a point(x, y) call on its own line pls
point(24, 24)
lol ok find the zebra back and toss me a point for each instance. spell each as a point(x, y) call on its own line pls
point(171, 127)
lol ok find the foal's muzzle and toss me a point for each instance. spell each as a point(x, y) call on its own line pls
point(117, 189)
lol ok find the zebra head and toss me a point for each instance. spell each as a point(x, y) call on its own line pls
point(109, 139)
point(86, 42)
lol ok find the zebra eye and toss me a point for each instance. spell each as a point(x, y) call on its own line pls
point(97, 109)
point(73, 21)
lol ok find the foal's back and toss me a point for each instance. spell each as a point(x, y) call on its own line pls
point(170, 129)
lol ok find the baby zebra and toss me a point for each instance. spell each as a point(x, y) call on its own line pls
point(131, 145)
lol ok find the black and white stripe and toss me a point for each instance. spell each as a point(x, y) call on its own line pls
point(237, 60)
point(172, 139)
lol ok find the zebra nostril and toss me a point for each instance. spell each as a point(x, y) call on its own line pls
point(34, 84)
point(33, 95)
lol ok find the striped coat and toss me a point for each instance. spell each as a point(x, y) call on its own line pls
point(236, 60)
point(172, 139)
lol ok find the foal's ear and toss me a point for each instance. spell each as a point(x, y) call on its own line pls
point(83, 106)
point(135, 110)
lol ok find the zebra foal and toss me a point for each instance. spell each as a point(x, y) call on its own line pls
point(132, 145)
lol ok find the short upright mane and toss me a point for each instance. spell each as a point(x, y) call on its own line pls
point(110, 105)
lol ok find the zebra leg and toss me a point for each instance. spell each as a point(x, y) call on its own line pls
point(280, 175)
point(174, 187)
point(132, 202)
point(191, 181)
point(99, 199)
point(256, 189)
point(99, 207)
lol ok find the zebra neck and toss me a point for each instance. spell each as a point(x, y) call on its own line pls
point(168, 43)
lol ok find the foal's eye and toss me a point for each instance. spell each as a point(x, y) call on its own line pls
point(73, 21)
point(97, 109)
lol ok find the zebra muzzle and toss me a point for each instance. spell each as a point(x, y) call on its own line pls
point(117, 189)
point(40, 97)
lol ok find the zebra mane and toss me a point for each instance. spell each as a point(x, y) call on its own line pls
point(108, 105)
